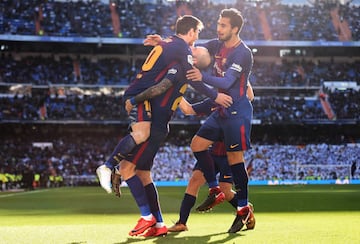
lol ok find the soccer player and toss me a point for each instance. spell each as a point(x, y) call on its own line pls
point(175, 49)
point(135, 168)
point(233, 63)
point(197, 178)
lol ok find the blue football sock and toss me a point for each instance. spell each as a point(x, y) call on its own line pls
point(186, 205)
point(240, 178)
point(153, 199)
point(207, 165)
point(234, 201)
point(138, 192)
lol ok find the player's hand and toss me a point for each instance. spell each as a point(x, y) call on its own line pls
point(115, 183)
point(194, 75)
point(152, 40)
point(128, 106)
point(224, 100)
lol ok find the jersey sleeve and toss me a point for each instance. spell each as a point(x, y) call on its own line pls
point(204, 89)
point(221, 82)
point(175, 74)
point(240, 62)
point(204, 107)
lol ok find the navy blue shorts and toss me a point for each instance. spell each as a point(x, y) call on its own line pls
point(140, 112)
point(231, 127)
point(144, 154)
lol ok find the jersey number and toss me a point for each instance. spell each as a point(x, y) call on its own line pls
point(152, 58)
point(178, 99)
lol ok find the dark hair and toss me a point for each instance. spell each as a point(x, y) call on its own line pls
point(235, 16)
point(187, 22)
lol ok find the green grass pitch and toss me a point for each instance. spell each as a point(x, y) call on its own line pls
point(284, 214)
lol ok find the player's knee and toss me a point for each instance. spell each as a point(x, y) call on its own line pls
point(235, 157)
point(127, 170)
point(195, 146)
point(141, 131)
point(140, 136)
point(199, 144)
point(145, 176)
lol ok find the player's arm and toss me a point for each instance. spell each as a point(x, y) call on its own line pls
point(186, 107)
point(225, 82)
point(250, 92)
point(231, 75)
point(149, 93)
point(218, 97)
point(153, 91)
point(204, 107)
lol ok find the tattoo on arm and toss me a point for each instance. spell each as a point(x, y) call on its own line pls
point(154, 90)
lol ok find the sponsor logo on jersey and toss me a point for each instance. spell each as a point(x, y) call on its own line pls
point(219, 72)
point(190, 59)
point(172, 71)
point(236, 67)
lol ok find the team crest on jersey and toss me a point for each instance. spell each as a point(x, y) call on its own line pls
point(218, 70)
point(190, 59)
point(172, 71)
point(236, 67)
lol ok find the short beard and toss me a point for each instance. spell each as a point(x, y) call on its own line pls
point(225, 38)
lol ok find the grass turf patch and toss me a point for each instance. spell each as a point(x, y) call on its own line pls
point(284, 214)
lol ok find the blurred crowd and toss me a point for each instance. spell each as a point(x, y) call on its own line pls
point(42, 70)
point(73, 160)
point(59, 69)
point(310, 21)
point(272, 109)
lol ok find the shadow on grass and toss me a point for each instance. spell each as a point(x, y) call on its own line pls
point(171, 238)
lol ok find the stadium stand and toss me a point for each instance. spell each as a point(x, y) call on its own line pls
point(138, 18)
point(65, 64)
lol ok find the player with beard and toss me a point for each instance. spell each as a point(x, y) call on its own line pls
point(233, 64)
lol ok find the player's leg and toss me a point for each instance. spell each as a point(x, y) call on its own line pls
point(140, 122)
point(199, 146)
point(196, 181)
point(207, 134)
point(159, 229)
point(140, 130)
point(236, 143)
point(225, 175)
point(218, 154)
point(127, 170)
point(144, 164)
